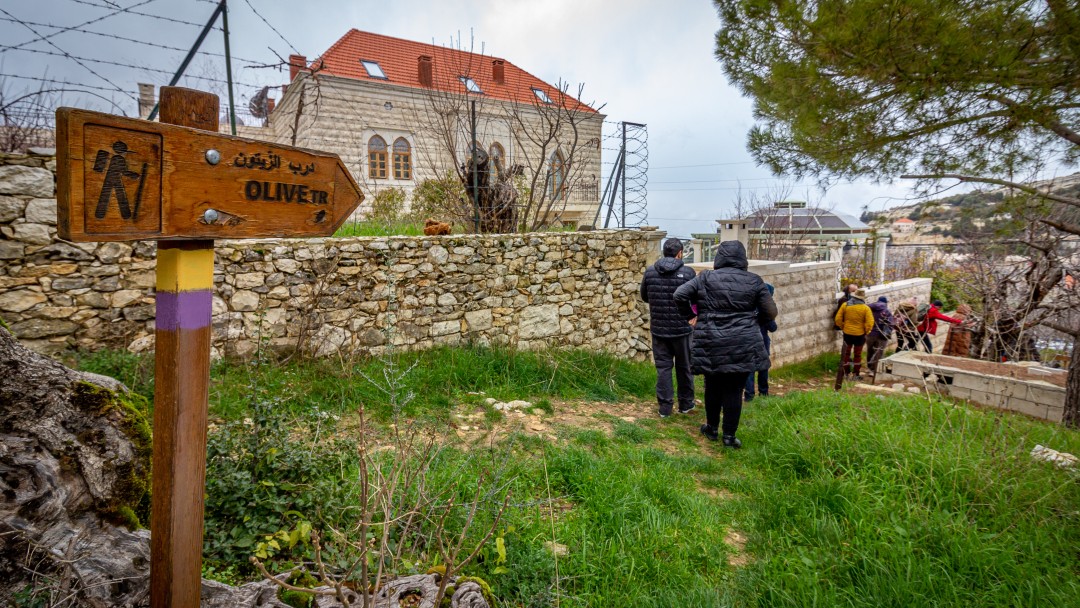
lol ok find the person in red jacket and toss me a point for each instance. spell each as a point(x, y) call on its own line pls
point(928, 327)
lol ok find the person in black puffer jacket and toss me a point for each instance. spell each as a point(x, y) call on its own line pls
point(727, 343)
point(670, 329)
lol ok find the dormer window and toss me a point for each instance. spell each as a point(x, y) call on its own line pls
point(542, 96)
point(373, 69)
point(470, 84)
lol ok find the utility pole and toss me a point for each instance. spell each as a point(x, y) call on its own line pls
point(475, 169)
point(228, 64)
point(622, 224)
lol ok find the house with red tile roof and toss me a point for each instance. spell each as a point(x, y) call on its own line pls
point(399, 112)
point(903, 225)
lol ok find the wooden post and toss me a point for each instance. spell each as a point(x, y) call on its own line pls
point(185, 278)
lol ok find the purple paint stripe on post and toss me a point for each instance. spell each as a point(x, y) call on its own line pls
point(183, 310)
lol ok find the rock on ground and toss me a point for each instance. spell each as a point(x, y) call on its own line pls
point(74, 467)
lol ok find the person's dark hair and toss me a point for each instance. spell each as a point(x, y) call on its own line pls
point(672, 247)
point(938, 303)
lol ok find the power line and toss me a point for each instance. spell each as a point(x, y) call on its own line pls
point(53, 44)
point(746, 162)
point(716, 181)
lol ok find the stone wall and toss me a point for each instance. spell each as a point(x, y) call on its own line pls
point(806, 297)
point(367, 294)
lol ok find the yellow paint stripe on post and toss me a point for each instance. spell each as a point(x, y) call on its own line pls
point(185, 269)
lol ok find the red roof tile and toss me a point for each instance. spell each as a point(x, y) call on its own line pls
point(399, 60)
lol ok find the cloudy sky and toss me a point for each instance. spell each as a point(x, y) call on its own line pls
point(648, 61)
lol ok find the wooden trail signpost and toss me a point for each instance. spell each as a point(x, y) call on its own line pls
point(183, 184)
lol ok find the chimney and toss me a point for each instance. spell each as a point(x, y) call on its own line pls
point(498, 71)
point(296, 63)
point(146, 99)
point(424, 70)
point(269, 106)
point(284, 88)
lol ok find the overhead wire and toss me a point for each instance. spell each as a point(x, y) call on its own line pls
point(119, 37)
point(150, 15)
point(84, 24)
point(69, 56)
point(259, 15)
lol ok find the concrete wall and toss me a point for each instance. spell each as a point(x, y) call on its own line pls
point(806, 296)
point(1040, 399)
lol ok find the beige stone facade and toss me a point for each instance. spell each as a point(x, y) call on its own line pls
point(341, 115)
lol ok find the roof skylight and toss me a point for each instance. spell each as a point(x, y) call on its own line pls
point(373, 69)
point(470, 84)
point(541, 95)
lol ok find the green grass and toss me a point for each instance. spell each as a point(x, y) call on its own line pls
point(441, 378)
point(399, 228)
point(846, 499)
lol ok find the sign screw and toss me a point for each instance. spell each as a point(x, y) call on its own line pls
point(210, 215)
point(213, 157)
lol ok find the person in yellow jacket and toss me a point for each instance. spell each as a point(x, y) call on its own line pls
point(856, 320)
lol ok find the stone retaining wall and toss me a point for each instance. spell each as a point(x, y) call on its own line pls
point(366, 294)
point(806, 296)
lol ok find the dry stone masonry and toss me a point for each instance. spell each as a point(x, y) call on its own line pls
point(367, 295)
point(325, 295)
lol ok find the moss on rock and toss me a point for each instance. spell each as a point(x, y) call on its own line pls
point(131, 505)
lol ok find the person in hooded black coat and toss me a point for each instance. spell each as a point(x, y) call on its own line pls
point(670, 330)
point(727, 343)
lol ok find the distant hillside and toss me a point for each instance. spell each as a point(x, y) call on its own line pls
point(969, 214)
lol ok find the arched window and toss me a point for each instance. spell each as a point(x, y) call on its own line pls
point(402, 159)
point(496, 159)
point(556, 176)
point(376, 148)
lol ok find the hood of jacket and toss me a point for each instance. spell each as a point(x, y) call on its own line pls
point(852, 301)
point(731, 254)
point(879, 307)
point(668, 265)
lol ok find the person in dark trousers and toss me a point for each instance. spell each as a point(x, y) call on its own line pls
point(856, 321)
point(907, 336)
point(670, 329)
point(727, 346)
point(879, 337)
point(767, 327)
point(928, 327)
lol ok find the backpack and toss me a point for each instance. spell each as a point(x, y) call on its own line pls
point(914, 314)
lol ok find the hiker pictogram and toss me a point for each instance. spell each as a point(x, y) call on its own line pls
point(115, 170)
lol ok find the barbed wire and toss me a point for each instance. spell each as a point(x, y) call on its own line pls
point(257, 14)
point(69, 56)
point(92, 21)
point(130, 11)
point(119, 37)
point(133, 67)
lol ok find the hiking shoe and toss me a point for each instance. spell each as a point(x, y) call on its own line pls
point(687, 410)
point(663, 415)
point(731, 442)
point(747, 397)
point(857, 378)
point(709, 432)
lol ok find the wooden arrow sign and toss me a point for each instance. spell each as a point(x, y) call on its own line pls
point(124, 179)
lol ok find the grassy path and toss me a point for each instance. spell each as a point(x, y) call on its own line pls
point(836, 500)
